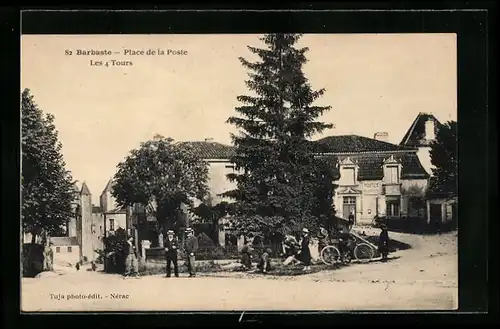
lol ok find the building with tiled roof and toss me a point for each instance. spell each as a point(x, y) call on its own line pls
point(420, 135)
point(376, 177)
point(356, 144)
point(218, 156)
point(210, 150)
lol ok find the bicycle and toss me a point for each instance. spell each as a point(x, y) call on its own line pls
point(331, 254)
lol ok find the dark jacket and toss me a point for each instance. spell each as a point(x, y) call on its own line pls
point(383, 241)
point(191, 245)
point(130, 249)
point(172, 246)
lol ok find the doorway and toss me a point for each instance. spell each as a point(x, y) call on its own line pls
point(435, 216)
point(349, 205)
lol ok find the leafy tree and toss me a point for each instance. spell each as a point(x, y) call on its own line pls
point(47, 187)
point(277, 176)
point(445, 160)
point(162, 176)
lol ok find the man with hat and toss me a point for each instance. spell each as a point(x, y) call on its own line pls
point(131, 262)
point(191, 248)
point(305, 252)
point(171, 245)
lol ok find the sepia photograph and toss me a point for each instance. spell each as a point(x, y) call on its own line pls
point(239, 172)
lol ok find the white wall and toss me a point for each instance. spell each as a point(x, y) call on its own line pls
point(119, 219)
point(424, 156)
point(64, 256)
point(218, 182)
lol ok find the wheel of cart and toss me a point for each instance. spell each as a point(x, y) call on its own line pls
point(330, 255)
point(364, 252)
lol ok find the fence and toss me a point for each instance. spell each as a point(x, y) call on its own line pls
point(209, 253)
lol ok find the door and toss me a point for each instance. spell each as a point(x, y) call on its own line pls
point(435, 213)
point(349, 205)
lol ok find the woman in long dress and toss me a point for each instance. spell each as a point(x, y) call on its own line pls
point(305, 252)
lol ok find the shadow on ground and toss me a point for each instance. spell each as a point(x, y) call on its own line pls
point(394, 245)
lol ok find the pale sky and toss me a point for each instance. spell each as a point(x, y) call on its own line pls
point(374, 83)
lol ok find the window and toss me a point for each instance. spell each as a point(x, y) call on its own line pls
point(58, 249)
point(393, 207)
point(100, 229)
point(349, 200)
point(348, 177)
point(392, 175)
point(69, 249)
point(111, 224)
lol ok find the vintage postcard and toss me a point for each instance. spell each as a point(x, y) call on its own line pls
point(221, 172)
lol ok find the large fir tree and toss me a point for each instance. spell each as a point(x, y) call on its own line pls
point(278, 180)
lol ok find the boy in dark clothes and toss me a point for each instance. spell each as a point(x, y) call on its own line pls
point(191, 248)
point(383, 243)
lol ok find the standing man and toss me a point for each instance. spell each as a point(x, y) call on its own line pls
point(131, 262)
point(351, 220)
point(191, 249)
point(171, 245)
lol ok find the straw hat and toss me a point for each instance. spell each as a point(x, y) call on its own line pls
point(305, 230)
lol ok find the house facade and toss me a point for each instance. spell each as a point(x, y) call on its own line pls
point(114, 217)
point(377, 178)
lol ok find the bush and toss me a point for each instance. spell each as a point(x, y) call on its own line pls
point(32, 258)
point(114, 252)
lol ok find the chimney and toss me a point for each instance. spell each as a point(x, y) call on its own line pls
point(209, 139)
point(429, 130)
point(381, 136)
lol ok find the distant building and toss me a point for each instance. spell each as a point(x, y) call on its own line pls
point(65, 250)
point(421, 133)
point(89, 223)
point(217, 156)
point(84, 231)
point(115, 217)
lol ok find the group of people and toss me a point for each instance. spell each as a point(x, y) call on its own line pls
point(293, 251)
point(172, 247)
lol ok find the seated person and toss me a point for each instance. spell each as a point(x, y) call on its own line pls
point(291, 247)
point(265, 262)
point(246, 255)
